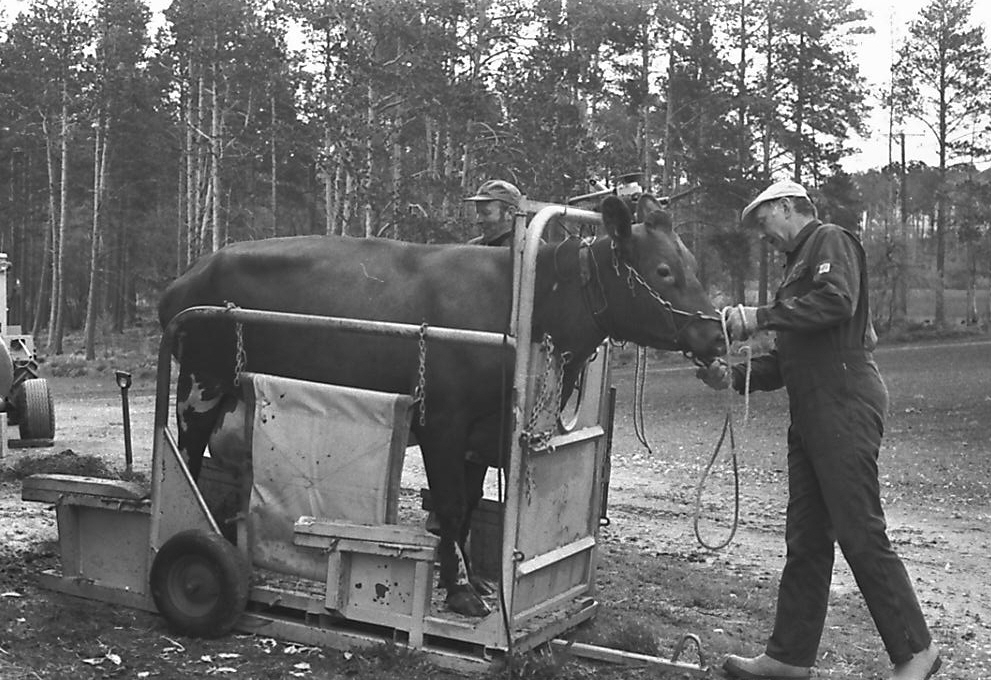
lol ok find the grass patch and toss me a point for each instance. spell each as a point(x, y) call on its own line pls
point(632, 635)
point(68, 462)
point(134, 350)
point(924, 332)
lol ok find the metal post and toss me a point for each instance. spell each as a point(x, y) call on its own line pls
point(4, 266)
point(124, 383)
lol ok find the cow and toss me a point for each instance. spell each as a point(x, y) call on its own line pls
point(637, 284)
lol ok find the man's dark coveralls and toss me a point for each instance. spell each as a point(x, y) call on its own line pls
point(837, 402)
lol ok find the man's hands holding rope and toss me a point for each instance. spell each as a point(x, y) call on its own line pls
point(741, 321)
point(716, 375)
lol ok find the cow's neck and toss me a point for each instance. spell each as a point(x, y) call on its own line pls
point(560, 310)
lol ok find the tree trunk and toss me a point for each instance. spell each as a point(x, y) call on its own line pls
point(347, 202)
point(645, 156)
point(987, 300)
point(900, 307)
point(329, 184)
point(334, 198)
point(397, 183)
point(763, 274)
point(46, 271)
point(939, 313)
point(215, 152)
point(799, 117)
point(667, 173)
point(274, 163)
point(56, 323)
point(366, 188)
point(193, 108)
point(99, 170)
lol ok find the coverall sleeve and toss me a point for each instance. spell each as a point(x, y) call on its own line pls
point(820, 293)
point(765, 375)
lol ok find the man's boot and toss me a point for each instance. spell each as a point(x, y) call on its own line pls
point(922, 666)
point(763, 667)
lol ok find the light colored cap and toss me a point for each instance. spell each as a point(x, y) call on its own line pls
point(781, 189)
point(498, 190)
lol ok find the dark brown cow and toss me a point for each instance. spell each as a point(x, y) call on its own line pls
point(638, 284)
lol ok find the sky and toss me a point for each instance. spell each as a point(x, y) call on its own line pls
point(890, 20)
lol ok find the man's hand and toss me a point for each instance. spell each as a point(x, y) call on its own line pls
point(741, 322)
point(716, 375)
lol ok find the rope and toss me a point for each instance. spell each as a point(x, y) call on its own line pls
point(639, 377)
point(697, 514)
point(727, 428)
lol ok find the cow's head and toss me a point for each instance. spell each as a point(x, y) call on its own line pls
point(655, 297)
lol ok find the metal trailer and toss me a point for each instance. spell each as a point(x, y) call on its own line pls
point(351, 584)
point(28, 404)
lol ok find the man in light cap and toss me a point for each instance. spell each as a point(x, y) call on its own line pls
point(837, 403)
point(496, 203)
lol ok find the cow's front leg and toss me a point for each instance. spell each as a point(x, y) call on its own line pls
point(462, 597)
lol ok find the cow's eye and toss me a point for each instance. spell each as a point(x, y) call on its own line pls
point(664, 272)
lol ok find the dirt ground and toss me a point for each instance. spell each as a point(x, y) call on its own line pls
point(655, 581)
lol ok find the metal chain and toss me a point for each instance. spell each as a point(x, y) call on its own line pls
point(548, 398)
point(420, 391)
point(240, 357)
point(632, 275)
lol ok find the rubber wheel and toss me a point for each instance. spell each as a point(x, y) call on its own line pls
point(199, 582)
point(36, 414)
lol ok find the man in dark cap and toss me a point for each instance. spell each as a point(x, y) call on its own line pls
point(837, 401)
point(496, 203)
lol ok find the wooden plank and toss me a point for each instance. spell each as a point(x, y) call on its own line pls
point(336, 597)
point(423, 579)
point(554, 556)
point(49, 488)
point(377, 533)
point(620, 656)
point(554, 606)
point(101, 502)
point(67, 518)
point(344, 639)
point(573, 437)
point(562, 620)
point(86, 588)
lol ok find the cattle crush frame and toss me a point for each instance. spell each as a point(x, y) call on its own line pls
point(355, 582)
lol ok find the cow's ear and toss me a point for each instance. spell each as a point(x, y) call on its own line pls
point(660, 220)
point(646, 205)
point(616, 217)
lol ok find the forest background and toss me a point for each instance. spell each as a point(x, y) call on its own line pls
point(128, 149)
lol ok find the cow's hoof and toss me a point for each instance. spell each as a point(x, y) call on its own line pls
point(464, 601)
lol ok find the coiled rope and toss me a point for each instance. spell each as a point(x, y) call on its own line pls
point(727, 429)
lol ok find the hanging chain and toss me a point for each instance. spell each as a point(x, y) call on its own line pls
point(240, 357)
point(548, 397)
point(420, 391)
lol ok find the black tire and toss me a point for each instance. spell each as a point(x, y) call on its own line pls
point(35, 411)
point(199, 582)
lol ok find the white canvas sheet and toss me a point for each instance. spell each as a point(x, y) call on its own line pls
point(320, 450)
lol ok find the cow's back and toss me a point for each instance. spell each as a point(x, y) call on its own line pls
point(374, 279)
